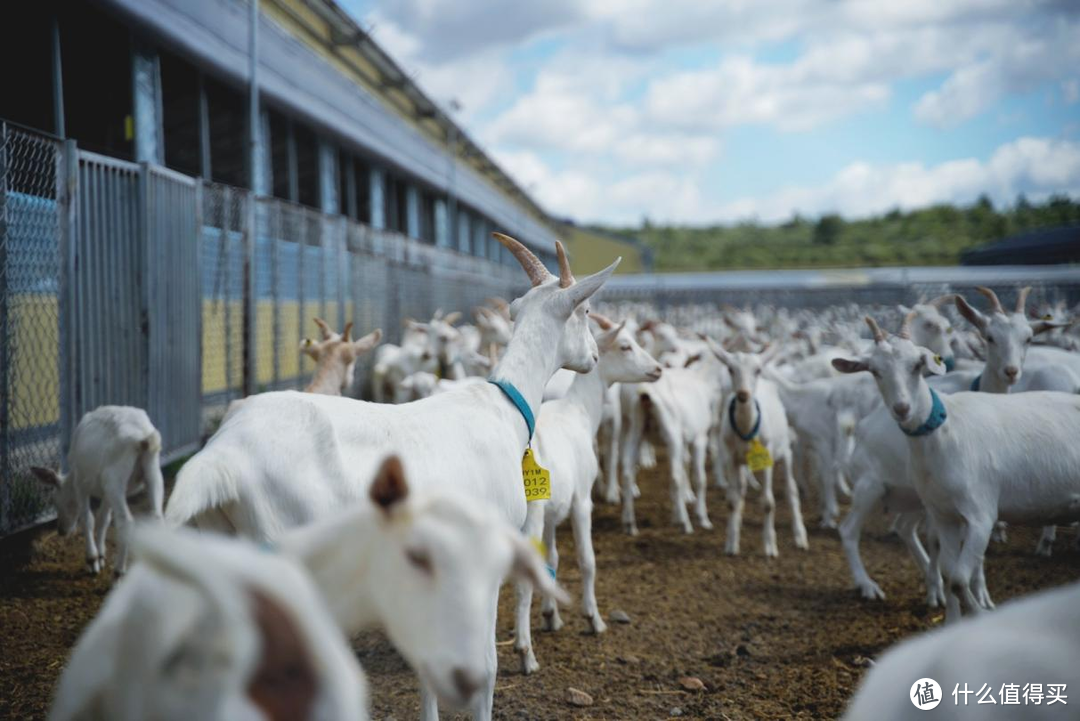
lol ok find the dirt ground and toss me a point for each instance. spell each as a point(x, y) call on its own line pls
point(780, 638)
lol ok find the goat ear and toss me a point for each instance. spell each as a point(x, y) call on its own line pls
point(528, 566)
point(452, 318)
point(846, 365)
point(1041, 326)
point(323, 327)
point(46, 475)
point(389, 487)
point(692, 360)
point(973, 316)
point(722, 355)
point(582, 290)
point(283, 654)
point(363, 345)
point(935, 365)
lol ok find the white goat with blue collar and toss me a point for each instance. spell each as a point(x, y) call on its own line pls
point(285, 459)
point(755, 415)
point(976, 457)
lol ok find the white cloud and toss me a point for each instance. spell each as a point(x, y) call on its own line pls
point(1034, 166)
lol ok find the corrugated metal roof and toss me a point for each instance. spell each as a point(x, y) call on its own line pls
point(214, 35)
point(1045, 246)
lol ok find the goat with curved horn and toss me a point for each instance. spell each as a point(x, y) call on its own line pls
point(875, 329)
point(1021, 298)
point(538, 274)
point(566, 277)
point(323, 328)
point(603, 321)
point(905, 327)
point(995, 303)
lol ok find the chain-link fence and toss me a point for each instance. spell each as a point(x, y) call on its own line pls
point(30, 431)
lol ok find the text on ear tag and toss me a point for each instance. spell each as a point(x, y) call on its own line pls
point(537, 480)
point(758, 456)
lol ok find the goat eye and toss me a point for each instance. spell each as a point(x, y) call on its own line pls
point(419, 559)
point(989, 339)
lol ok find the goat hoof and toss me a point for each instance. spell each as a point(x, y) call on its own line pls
point(705, 524)
point(637, 491)
point(872, 592)
point(529, 664)
point(772, 551)
point(801, 541)
point(687, 528)
point(732, 550)
point(551, 621)
point(630, 529)
point(828, 523)
point(612, 498)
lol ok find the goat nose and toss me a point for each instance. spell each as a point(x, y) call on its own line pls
point(743, 396)
point(464, 682)
point(902, 410)
point(1011, 372)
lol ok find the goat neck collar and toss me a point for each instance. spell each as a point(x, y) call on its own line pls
point(933, 421)
point(514, 396)
point(735, 426)
point(950, 363)
point(976, 383)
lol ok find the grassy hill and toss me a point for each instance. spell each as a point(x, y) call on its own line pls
point(932, 236)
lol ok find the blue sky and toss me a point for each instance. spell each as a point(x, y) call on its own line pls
point(702, 111)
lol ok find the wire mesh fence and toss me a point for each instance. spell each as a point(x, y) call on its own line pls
point(29, 320)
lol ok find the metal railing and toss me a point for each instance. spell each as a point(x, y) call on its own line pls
point(125, 283)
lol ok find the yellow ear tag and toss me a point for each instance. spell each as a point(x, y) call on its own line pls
point(1048, 317)
point(537, 479)
point(937, 358)
point(758, 457)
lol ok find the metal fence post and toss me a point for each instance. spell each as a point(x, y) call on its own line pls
point(68, 204)
point(5, 364)
point(249, 308)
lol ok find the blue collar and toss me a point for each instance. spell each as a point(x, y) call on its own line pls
point(515, 397)
point(950, 364)
point(933, 421)
point(734, 426)
point(975, 383)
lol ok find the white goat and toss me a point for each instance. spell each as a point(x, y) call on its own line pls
point(394, 363)
point(416, 566)
point(755, 415)
point(284, 459)
point(681, 408)
point(115, 453)
point(335, 358)
point(215, 629)
point(1028, 643)
point(565, 430)
point(976, 457)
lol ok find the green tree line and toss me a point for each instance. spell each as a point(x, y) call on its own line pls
point(937, 235)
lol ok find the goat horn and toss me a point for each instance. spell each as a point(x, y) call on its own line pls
point(323, 327)
point(348, 329)
point(603, 321)
point(532, 266)
point(879, 335)
point(995, 304)
point(498, 303)
point(942, 299)
point(566, 278)
point(1021, 299)
point(905, 327)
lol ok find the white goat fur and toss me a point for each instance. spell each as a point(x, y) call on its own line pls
point(285, 459)
point(115, 453)
point(1032, 639)
point(996, 456)
point(565, 431)
point(757, 400)
point(210, 628)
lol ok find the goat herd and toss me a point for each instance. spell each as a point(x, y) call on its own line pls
point(409, 513)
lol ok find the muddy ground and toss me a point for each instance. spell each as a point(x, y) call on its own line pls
point(780, 638)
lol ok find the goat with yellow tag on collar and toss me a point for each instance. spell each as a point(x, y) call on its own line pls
point(757, 437)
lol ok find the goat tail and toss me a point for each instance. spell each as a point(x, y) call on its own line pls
point(151, 444)
point(204, 487)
